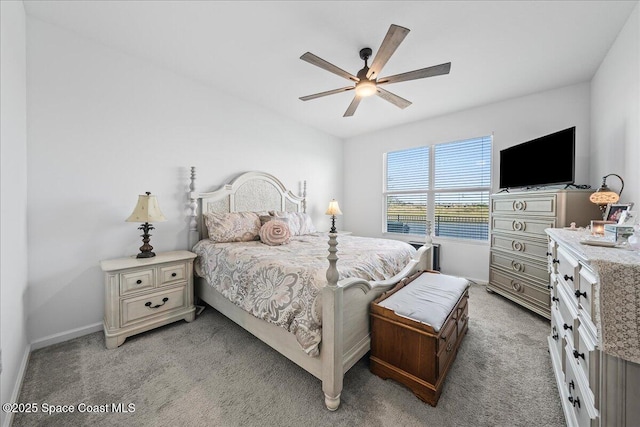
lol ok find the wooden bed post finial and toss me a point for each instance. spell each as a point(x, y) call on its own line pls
point(332, 339)
point(193, 209)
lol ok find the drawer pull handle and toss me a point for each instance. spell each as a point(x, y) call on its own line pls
point(149, 306)
point(516, 286)
point(449, 346)
point(174, 274)
point(555, 261)
point(555, 333)
point(555, 337)
point(519, 205)
point(138, 281)
point(574, 401)
point(549, 254)
point(517, 246)
point(577, 355)
point(549, 287)
point(568, 277)
point(555, 299)
point(518, 226)
point(572, 386)
point(565, 326)
point(580, 294)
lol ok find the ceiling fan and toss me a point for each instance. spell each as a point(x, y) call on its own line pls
point(366, 81)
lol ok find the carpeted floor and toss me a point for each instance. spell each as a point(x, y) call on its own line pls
point(212, 373)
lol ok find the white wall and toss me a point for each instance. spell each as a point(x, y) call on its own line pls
point(13, 200)
point(104, 127)
point(511, 122)
point(615, 111)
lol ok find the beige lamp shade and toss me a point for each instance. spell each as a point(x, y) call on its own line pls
point(147, 210)
point(334, 208)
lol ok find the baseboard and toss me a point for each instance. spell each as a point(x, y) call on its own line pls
point(18, 385)
point(65, 336)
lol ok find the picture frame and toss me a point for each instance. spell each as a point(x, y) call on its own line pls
point(628, 218)
point(614, 211)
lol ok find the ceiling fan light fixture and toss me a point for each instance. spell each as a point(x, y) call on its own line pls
point(366, 88)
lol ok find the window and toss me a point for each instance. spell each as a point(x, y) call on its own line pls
point(447, 183)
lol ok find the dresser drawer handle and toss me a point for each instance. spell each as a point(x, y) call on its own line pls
point(449, 346)
point(517, 246)
point(574, 401)
point(138, 281)
point(577, 355)
point(549, 254)
point(555, 299)
point(568, 277)
point(554, 331)
point(174, 274)
point(519, 205)
point(518, 226)
point(555, 261)
point(580, 294)
point(572, 386)
point(565, 326)
point(516, 286)
point(164, 301)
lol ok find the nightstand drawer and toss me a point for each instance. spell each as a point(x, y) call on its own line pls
point(171, 274)
point(136, 281)
point(137, 308)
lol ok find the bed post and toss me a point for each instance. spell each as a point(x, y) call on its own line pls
point(193, 210)
point(332, 352)
point(304, 196)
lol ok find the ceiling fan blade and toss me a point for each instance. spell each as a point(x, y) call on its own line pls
point(391, 41)
point(393, 98)
point(329, 92)
point(319, 62)
point(352, 107)
point(436, 70)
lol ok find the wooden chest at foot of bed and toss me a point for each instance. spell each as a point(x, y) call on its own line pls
point(415, 337)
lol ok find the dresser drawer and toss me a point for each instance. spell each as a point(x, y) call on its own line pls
point(557, 333)
point(544, 205)
point(579, 398)
point(137, 281)
point(170, 274)
point(522, 266)
point(143, 306)
point(525, 227)
point(519, 246)
point(568, 269)
point(569, 315)
point(587, 286)
point(588, 359)
point(518, 287)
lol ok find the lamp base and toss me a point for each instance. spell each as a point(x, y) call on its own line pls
point(146, 255)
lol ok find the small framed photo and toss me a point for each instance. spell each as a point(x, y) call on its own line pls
point(614, 211)
point(628, 218)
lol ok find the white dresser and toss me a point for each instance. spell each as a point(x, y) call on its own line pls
point(518, 268)
point(144, 293)
point(595, 323)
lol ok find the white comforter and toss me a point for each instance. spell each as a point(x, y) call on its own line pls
point(281, 284)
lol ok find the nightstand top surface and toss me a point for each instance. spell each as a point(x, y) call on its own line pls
point(133, 262)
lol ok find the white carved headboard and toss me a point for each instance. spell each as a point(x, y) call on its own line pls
point(250, 191)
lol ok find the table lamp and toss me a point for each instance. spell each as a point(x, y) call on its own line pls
point(146, 211)
point(333, 210)
point(604, 196)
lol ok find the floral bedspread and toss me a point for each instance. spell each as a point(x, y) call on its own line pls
point(281, 284)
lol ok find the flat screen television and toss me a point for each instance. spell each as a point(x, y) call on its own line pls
point(548, 160)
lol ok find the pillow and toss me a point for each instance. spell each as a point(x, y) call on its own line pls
point(233, 227)
point(299, 222)
point(274, 233)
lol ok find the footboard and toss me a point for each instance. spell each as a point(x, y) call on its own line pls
point(345, 318)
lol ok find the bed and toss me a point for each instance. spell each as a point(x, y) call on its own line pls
point(326, 333)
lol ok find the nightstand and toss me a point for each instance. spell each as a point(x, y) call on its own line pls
point(144, 293)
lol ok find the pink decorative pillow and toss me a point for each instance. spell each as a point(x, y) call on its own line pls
point(274, 233)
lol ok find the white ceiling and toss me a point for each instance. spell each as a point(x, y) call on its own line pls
point(498, 49)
